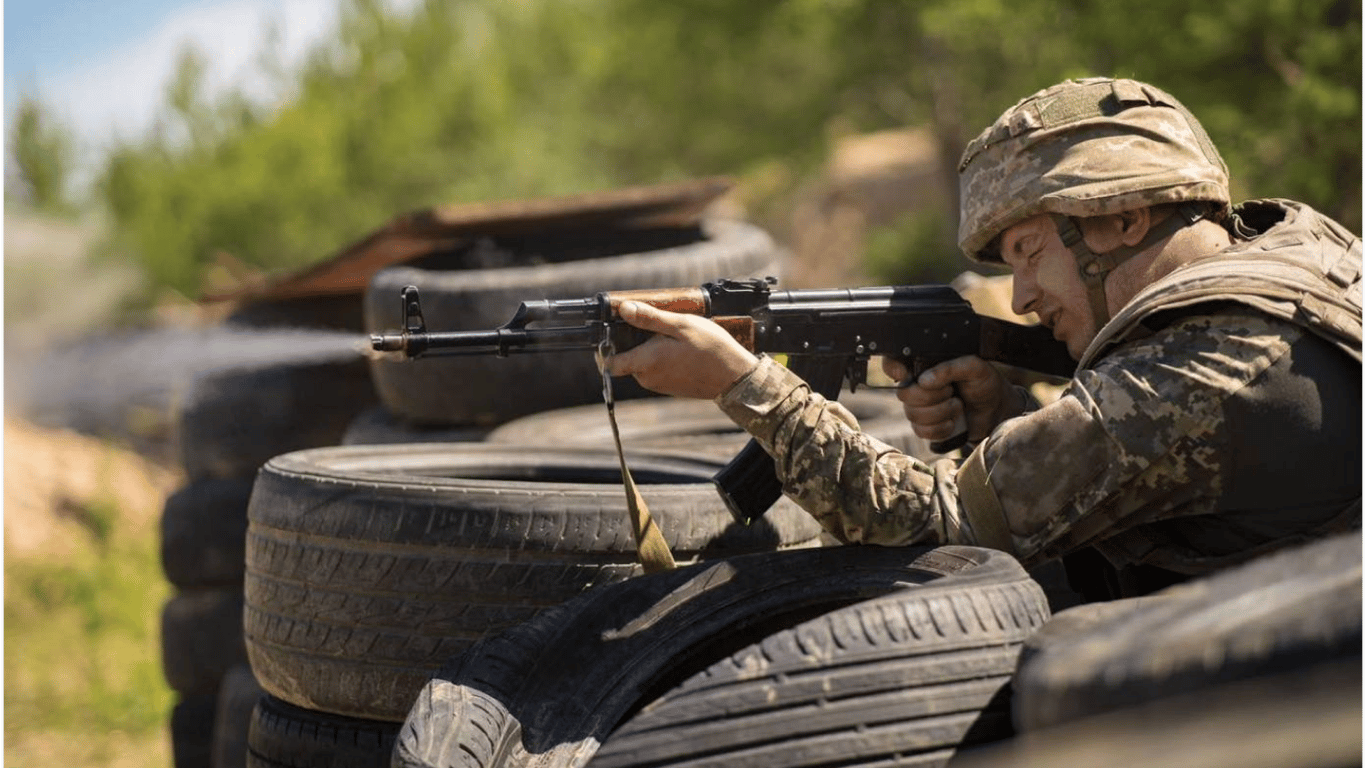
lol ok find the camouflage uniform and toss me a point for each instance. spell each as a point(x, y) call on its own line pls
point(1132, 457)
point(1217, 416)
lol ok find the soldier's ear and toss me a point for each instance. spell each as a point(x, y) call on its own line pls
point(1134, 225)
point(1126, 228)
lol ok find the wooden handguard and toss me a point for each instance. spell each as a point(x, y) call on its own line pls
point(687, 301)
point(740, 327)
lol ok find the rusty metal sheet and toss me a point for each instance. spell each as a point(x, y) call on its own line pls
point(413, 235)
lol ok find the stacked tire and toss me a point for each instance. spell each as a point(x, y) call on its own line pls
point(1258, 665)
point(370, 564)
point(833, 656)
point(482, 392)
point(368, 567)
point(464, 399)
point(931, 657)
point(286, 390)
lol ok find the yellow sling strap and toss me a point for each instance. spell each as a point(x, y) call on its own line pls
point(651, 548)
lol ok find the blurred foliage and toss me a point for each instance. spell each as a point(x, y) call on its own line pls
point(468, 99)
point(43, 153)
point(83, 676)
point(915, 248)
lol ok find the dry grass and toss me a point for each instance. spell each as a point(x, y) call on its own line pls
point(73, 748)
point(83, 595)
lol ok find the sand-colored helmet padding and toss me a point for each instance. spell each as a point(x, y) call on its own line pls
point(1083, 148)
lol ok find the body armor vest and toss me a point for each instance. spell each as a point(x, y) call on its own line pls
point(1287, 261)
point(1298, 266)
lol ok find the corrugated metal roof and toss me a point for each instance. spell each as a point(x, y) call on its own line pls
point(413, 235)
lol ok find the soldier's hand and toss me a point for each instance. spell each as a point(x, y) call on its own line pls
point(966, 391)
point(689, 356)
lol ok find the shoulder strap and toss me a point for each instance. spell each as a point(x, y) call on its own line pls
point(982, 509)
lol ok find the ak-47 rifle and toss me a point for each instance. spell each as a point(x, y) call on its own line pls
point(828, 336)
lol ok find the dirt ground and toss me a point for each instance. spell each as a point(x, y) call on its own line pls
point(55, 287)
point(82, 600)
point(53, 478)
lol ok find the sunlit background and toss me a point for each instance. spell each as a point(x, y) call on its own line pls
point(162, 149)
point(277, 133)
point(102, 68)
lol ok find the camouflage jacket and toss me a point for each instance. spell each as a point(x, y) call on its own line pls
point(1189, 437)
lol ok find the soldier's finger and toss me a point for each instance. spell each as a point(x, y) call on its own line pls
point(620, 364)
point(648, 318)
point(966, 368)
point(636, 360)
point(895, 370)
point(915, 395)
point(940, 430)
point(929, 415)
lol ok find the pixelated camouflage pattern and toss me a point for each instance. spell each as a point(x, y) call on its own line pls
point(858, 488)
point(1142, 432)
point(1084, 148)
point(1135, 439)
point(1306, 269)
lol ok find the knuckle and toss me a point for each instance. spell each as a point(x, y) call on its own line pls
point(930, 431)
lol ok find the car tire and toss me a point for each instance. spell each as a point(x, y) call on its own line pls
point(368, 566)
point(230, 421)
point(486, 391)
point(204, 532)
point(1276, 613)
point(549, 691)
point(237, 697)
point(201, 639)
point(285, 736)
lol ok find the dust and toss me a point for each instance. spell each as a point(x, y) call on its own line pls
point(58, 483)
point(55, 287)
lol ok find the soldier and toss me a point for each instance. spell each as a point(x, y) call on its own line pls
point(1215, 413)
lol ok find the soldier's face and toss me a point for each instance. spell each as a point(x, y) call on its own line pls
point(1046, 282)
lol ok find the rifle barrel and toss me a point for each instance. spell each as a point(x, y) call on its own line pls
point(499, 341)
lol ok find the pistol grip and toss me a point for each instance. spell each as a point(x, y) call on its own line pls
point(918, 365)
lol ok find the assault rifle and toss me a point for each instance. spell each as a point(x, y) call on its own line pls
point(828, 336)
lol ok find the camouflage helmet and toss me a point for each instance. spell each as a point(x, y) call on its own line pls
point(1084, 148)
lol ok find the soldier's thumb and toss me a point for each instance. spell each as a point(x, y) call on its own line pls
point(647, 318)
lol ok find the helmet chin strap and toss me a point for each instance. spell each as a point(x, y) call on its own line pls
point(1095, 267)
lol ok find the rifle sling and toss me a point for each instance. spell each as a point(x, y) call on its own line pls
point(651, 549)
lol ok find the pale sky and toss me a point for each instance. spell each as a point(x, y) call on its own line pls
point(103, 66)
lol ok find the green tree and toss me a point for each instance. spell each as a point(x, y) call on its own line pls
point(477, 99)
point(43, 154)
point(1277, 84)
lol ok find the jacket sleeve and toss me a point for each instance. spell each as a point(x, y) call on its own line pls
point(1136, 439)
point(859, 488)
point(1139, 438)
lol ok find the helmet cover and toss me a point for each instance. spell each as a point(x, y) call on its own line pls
point(1085, 147)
